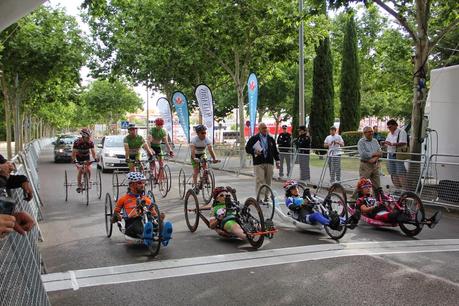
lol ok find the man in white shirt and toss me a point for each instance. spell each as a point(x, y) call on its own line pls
point(396, 138)
point(333, 143)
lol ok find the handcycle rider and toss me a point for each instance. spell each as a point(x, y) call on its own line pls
point(83, 147)
point(128, 203)
point(198, 147)
point(132, 145)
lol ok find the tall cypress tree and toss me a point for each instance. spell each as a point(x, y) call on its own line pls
point(322, 109)
point(350, 79)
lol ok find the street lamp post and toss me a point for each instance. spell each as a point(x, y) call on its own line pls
point(301, 66)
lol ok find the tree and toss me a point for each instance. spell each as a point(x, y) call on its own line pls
point(350, 80)
point(322, 107)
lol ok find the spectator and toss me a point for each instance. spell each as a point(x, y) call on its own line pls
point(303, 145)
point(396, 138)
point(333, 142)
point(9, 181)
point(284, 142)
point(378, 136)
point(21, 222)
point(263, 149)
point(370, 152)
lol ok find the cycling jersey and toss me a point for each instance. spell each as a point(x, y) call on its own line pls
point(82, 149)
point(134, 143)
point(128, 202)
point(200, 145)
point(226, 219)
point(158, 133)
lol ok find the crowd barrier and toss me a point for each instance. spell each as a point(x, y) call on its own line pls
point(20, 260)
point(435, 178)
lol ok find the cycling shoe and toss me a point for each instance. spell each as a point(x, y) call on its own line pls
point(167, 233)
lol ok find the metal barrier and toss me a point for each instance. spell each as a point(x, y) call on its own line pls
point(20, 259)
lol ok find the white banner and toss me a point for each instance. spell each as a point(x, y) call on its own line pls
point(206, 105)
point(165, 112)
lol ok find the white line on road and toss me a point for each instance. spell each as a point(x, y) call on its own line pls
point(217, 263)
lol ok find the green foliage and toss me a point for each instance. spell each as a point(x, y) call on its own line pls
point(350, 80)
point(322, 112)
point(351, 138)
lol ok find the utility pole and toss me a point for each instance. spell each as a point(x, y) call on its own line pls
point(301, 66)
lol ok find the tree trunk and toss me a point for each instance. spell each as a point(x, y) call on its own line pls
point(6, 105)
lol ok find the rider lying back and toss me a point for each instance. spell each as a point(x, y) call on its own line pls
point(222, 220)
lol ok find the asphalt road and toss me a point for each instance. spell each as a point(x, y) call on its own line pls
point(368, 266)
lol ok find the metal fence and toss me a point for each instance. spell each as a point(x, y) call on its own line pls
point(20, 259)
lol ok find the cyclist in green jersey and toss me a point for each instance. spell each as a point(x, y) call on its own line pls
point(132, 145)
point(157, 135)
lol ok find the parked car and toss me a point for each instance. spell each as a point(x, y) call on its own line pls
point(111, 153)
point(63, 147)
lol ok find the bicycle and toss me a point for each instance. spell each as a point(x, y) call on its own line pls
point(87, 184)
point(160, 175)
point(205, 182)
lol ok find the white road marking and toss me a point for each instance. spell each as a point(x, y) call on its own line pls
point(217, 263)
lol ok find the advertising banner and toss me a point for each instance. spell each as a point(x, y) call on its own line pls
point(164, 109)
point(206, 106)
point(181, 108)
point(252, 85)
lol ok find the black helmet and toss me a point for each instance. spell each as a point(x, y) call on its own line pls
point(131, 126)
point(200, 128)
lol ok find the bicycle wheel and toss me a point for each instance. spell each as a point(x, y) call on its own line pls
point(66, 185)
point(182, 183)
point(337, 213)
point(191, 209)
point(266, 201)
point(86, 187)
point(208, 186)
point(115, 185)
point(253, 222)
point(162, 182)
point(151, 196)
point(155, 244)
point(169, 177)
point(98, 184)
point(108, 215)
point(412, 206)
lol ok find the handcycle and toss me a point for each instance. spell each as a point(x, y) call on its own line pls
point(153, 225)
point(117, 182)
point(205, 182)
point(86, 182)
point(249, 216)
point(408, 204)
point(332, 206)
point(160, 175)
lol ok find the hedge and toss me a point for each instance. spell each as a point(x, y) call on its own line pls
point(352, 137)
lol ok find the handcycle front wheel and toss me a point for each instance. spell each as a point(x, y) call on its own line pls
point(151, 195)
point(253, 223)
point(98, 184)
point(266, 201)
point(155, 244)
point(66, 185)
point(169, 177)
point(86, 187)
point(208, 186)
point(412, 206)
point(337, 212)
point(182, 183)
point(191, 209)
point(108, 215)
point(115, 185)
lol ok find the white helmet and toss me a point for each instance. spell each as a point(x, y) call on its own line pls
point(133, 177)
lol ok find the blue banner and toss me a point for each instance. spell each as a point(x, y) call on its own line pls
point(252, 85)
point(181, 108)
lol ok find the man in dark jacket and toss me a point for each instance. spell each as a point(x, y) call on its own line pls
point(284, 142)
point(303, 145)
point(264, 152)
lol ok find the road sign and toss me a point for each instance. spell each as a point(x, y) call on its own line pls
point(124, 124)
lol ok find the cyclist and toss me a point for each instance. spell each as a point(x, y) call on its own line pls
point(198, 147)
point(132, 144)
point(223, 221)
point(134, 226)
point(82, 148)
point(157, 135)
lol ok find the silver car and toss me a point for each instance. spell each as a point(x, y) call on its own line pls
point(63, 147)
point(111, 153)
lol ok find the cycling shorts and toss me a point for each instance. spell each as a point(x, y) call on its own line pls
point(157, 149)
point(198, 156)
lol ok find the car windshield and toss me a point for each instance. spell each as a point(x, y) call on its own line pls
point(114, 142)
point(66, 140)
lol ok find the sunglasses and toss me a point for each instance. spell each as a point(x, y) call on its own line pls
point(223, 194)
point(140, 182)
point(366, 186)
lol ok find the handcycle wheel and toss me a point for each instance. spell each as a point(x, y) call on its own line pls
point(412, 206)
point(86, 187)
point(169, 177)
point(108, 215)
point(66, 185)
point(191, 209)
point(336, 205)
point(163, 182)
point(98, 183)
point(208, 186)
point(252, 222)
point(182, 183)
point(115, 185)
point(266, 201)
point(151, 196)
point(155, 245)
